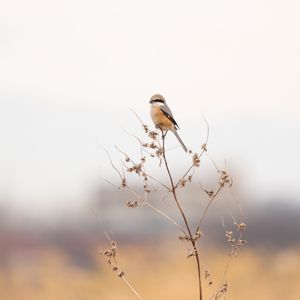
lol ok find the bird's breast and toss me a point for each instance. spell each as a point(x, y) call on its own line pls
point(159, 119)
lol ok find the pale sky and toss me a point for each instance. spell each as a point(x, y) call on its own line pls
point(70, 71)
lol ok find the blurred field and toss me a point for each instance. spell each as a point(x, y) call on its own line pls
point(156, 272)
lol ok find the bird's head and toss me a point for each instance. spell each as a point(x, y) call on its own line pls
point(157, 98)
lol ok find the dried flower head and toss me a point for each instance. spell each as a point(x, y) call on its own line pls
point(123, 183)
point(153, 135)
point(224, 288)
point(236, 243)
point(198, 234)
point(182, 182)
point(159, 152)
point(191, 252)
point(196, 160)
point(207, 277)
point(145, 127)
point(225, 179)
point(132, 204)
point(184, 237)
point(121, 274)
point(241, 226)
point(110, 253)
point(209, 193)
point(152, 145)
point(136, 168)
point(204, 147)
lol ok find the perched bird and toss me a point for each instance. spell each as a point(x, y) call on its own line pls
point(162, 116)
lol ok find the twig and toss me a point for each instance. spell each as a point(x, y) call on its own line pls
point(208, 205)
point(113, 262)
point(204, 150)
point(137, 117)
point(191, 238)
point(143, 149)
point(157, 210)
point(113, 166)
point(131, 287)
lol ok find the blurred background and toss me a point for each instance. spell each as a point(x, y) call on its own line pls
point(70, 73)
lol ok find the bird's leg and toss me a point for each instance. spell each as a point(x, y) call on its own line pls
point(166, 133)
point(163, 134)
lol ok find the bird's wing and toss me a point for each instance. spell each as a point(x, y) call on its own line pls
point(167, 112)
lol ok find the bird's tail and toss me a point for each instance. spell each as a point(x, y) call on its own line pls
point(180, 141)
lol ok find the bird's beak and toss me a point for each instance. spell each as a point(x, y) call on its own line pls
point(150, 101)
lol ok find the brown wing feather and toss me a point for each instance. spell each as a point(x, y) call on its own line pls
point(170, 118)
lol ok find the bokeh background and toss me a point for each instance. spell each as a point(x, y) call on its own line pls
point(70, 73)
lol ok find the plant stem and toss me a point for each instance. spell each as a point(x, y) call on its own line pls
point(173, 190)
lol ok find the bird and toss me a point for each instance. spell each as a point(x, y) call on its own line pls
point(162, 117)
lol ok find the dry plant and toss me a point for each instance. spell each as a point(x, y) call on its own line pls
point(153, 146)
point(112, 261)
